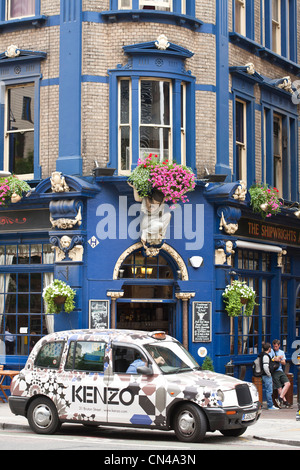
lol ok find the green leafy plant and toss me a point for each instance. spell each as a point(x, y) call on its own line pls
point(208, 364)
point(264, 200)
point(58, 293)
point(236, 295)
point(12, 189)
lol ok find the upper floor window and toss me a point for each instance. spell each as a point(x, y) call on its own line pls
point(155, 121)
point(279, 27)
point(276, 26)
point(241, 140)
point(161, 5)
point(240, 17)
point(277, 151)
point(19, 9)
point(19, 130)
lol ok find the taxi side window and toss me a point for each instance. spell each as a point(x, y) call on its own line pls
point(123, 357)
point(86, 356)
point(49, 355)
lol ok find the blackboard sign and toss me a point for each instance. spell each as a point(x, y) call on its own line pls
point(99, 313)
point(201, 322)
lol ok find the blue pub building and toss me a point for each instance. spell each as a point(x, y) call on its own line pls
point(88, 88)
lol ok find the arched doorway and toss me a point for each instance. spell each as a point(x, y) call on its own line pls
point(149, 301)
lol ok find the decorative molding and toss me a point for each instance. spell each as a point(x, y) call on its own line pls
point(162, 42)
point(67, 248)
point(241, 191)
point(65, 214)
point(58, 183)
point(224, 249)
point(167, 248)
point(184, 296)
point(229, 217)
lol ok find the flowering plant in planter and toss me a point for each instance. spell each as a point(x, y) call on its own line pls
point(173, 180)
point(236, 295)
point(264, 200)
point(57, 294)
point(12, 190)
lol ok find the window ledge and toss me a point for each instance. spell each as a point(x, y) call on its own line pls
point(35, 21)
point(152, 15)
point(264, 52)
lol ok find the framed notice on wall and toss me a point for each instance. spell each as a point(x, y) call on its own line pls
point(99, 314)
point(201, 322)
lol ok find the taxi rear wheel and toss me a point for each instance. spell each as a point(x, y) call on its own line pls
point(42, 416)
point(190, 423)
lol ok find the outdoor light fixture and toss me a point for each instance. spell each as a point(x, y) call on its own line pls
point(196, 261)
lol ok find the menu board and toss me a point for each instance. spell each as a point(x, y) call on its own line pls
point(99, 313)
point(201, 322)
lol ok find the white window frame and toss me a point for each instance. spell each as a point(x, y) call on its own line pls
point(242, 145)
point(240, 17)
point(276, 28)
point(161, 126)
point(9, 18)
point(7, 132)
point(121, 125)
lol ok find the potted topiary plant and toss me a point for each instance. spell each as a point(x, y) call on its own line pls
point(236, 295)
point(264, 200)
point(59, 294)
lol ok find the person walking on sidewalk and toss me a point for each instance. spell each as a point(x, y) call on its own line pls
point(267, 374)
point(280, 381)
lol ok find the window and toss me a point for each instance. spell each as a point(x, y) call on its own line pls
point(138, 266)
point(155, 121)
point(165, 5)
point(248, 333)
point(19, 130)
point(125, 124)
point(24, 272)
point(276, 26)
point(277, 152)
point(240, 17)
point(155, 118)
point(123, 357)
point(160, 5)
point(284, 314)
point(241, 139)
point(86, 356)
point(49, 355)
point(20, 9)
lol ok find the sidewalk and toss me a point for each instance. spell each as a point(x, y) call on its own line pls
point(273, 426)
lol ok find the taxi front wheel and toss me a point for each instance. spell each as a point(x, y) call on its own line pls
point(42, 416)
point(190, 423)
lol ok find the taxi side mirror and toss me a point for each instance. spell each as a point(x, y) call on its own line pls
point(145, 370)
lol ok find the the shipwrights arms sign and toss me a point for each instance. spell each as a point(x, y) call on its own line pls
point(268, 232)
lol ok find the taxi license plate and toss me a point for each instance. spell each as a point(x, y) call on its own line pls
point(248, 416)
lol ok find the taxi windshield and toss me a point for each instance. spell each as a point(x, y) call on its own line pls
point(171, 357)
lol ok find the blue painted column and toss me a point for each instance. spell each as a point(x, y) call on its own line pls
point(222, 164)
point(69, 160)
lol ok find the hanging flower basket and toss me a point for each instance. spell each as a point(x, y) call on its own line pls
point(236, 295)
point(172, 180)
point(57, 295)
point(264, 200)
point(12, 190)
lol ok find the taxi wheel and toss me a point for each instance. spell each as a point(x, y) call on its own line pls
point(190, 423)
point(42, 416)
